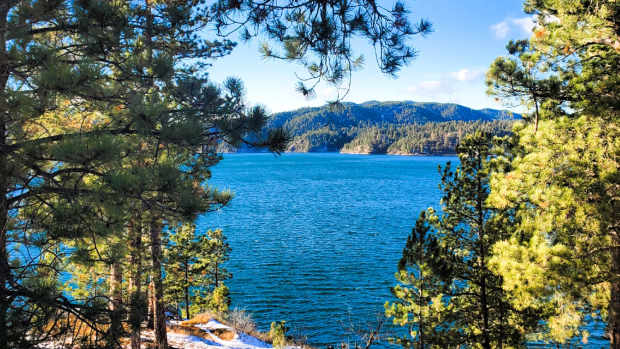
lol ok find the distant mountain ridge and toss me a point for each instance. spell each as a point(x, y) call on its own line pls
point(373, 127)
point(402, 113)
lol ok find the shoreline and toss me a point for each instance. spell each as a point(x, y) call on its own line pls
point(345, 153)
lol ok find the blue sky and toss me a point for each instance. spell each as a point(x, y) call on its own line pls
point(468, 36)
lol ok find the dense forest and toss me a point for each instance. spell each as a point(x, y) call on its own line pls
point(428, 138)
point(385, 127)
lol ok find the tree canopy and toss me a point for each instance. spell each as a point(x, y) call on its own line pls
point(109, 127)
point(561, 175)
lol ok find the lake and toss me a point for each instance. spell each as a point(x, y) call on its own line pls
point(316, 237)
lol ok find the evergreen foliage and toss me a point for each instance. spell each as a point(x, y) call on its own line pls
point(277, 333)
point(447, 294)
point(428, 138)
point(421, 306)
point(219, 302)
point(300, 121)
point(318, 34)
point(193, 267)
point(108, 127)
point(560, 177)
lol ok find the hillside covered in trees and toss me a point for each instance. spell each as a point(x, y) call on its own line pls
point(403, 128)
point(418, 139)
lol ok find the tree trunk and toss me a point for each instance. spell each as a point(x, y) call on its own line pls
point(501, 324)
point(486, 344)
point(135, 297)
point(614, 303)
point(481, 197)
point(537, 115)
point(421, 318)
point(4, 257)
point(159, 317)
point(216, 275)
point(187, 291)
point(116, 303)
point(420, 297)
point(151, 303)
point(4, 187)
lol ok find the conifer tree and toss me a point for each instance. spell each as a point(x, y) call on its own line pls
point(136, 297)
point(68, 125)
point(561, 176)
point(423, 282)
point(180, 251)
point(454, 298)
point(318, 35)
point(219, 300)
point(220, 252)
point(193, 265)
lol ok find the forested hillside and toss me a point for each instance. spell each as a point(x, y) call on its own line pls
point(428, 138)
point(387, 127)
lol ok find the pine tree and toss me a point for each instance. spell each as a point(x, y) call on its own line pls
point(423, 282)
point(62, 160)
point(219, 300)
point(560, 178)
point(455, 298)
point(136, 298)
point(193, 264)
point(318, 35)
point(220, 251)
point(180, 252)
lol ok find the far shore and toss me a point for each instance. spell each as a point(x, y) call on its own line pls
point(346, 153)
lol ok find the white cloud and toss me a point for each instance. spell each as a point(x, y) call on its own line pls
point(501, 29)
point(526, 24)
point(466, 74)
point(516, 26)
point(453, 87)
point(446, 85)
point(551, 19)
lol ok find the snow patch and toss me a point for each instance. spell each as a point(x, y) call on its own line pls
point(190, 342)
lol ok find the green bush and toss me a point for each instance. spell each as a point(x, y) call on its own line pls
point(278, 334)
point(219, 302)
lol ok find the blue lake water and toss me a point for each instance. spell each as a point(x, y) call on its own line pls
point(316, 237)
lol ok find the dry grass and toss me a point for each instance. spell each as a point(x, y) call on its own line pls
point(188, 330)
point(201, 318)
point(224, 334)
point(241, 321)
point(69, 330)
point(187, 327)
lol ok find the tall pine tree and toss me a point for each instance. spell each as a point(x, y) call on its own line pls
point(561, 177)
point(450, 293)
point(193, 265)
